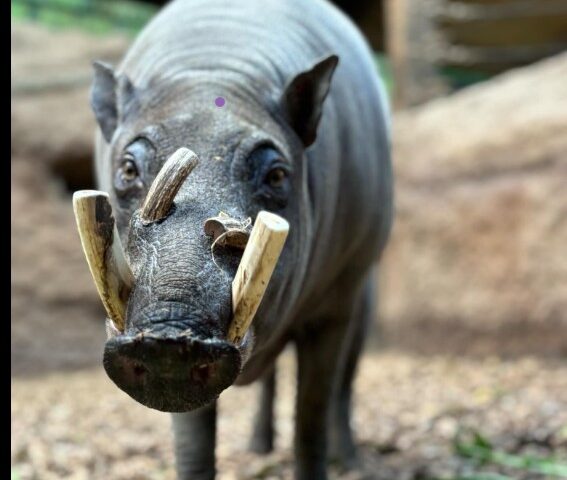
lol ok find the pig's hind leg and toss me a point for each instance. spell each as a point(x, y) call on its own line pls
point(262, 440)
point(342, 447)
point(321, 355)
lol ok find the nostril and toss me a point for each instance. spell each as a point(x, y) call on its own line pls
point(202, 373)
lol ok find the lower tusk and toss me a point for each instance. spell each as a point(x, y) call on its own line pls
point(255, 270)
point(111, 329)
point(110, 270)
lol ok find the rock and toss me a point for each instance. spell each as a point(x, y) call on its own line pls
point(481, 223)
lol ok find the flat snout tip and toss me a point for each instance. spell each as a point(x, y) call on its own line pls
point(171, 374)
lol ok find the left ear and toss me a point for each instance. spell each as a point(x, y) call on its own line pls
point(112, 97)
point(304, 95)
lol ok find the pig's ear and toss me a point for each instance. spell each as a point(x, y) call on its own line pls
point(109, 95)
point(304, 96)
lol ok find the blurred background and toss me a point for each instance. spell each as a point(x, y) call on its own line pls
point(465, 374)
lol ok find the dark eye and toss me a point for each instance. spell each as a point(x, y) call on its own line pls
point(270, 176)
point(276, 177)
point(128, 169)
point(130, 166)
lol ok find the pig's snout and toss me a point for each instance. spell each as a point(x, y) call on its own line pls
point(172, 374)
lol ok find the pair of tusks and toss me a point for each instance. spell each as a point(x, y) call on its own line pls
point(110, 270)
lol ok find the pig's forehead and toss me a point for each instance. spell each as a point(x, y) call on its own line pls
point(210, 104)
point(209, 129)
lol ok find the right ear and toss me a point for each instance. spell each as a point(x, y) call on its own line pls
point(108, 91)
point(304, 96)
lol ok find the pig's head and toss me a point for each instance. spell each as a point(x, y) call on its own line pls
point(173, 353)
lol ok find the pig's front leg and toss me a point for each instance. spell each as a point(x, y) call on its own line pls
point(194, 437)
point(318, 353)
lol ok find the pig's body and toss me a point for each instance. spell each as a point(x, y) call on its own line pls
point(246, 52)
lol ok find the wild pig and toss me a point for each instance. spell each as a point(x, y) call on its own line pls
point(283, 110)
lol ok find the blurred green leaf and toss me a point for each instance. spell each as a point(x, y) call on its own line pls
point(485, 476)
point(481, 441)
point(481, 450)
point(100, 16)
point(385, 70)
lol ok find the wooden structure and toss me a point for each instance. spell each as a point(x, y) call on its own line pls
point(439, 45)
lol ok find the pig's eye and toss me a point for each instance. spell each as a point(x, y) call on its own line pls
point(128, 177)
point(276, 177)
point(128, 169)
point(270, 177)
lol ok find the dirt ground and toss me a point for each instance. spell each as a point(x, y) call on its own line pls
point(409, 412)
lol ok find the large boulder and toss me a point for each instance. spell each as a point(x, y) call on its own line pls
point(480, 237)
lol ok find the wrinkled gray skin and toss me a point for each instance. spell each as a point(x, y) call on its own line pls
point(273, 62)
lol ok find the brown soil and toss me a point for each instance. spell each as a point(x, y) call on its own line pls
point(408, 412)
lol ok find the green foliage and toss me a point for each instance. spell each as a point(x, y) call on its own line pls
point(95, 16)
point(482, 452)
point(385, 70)
point(485, 476)
point(461, 77)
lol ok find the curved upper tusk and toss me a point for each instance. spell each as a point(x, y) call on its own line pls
point(255, 270)
point(167, 183)
point(103, 250)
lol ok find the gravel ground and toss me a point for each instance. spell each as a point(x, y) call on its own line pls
point(409, 410)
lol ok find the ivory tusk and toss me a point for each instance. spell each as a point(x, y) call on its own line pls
point(255, 270)
point(167, 183)
point(110, 270)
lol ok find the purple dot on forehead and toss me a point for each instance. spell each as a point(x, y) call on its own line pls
point(219, 101)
